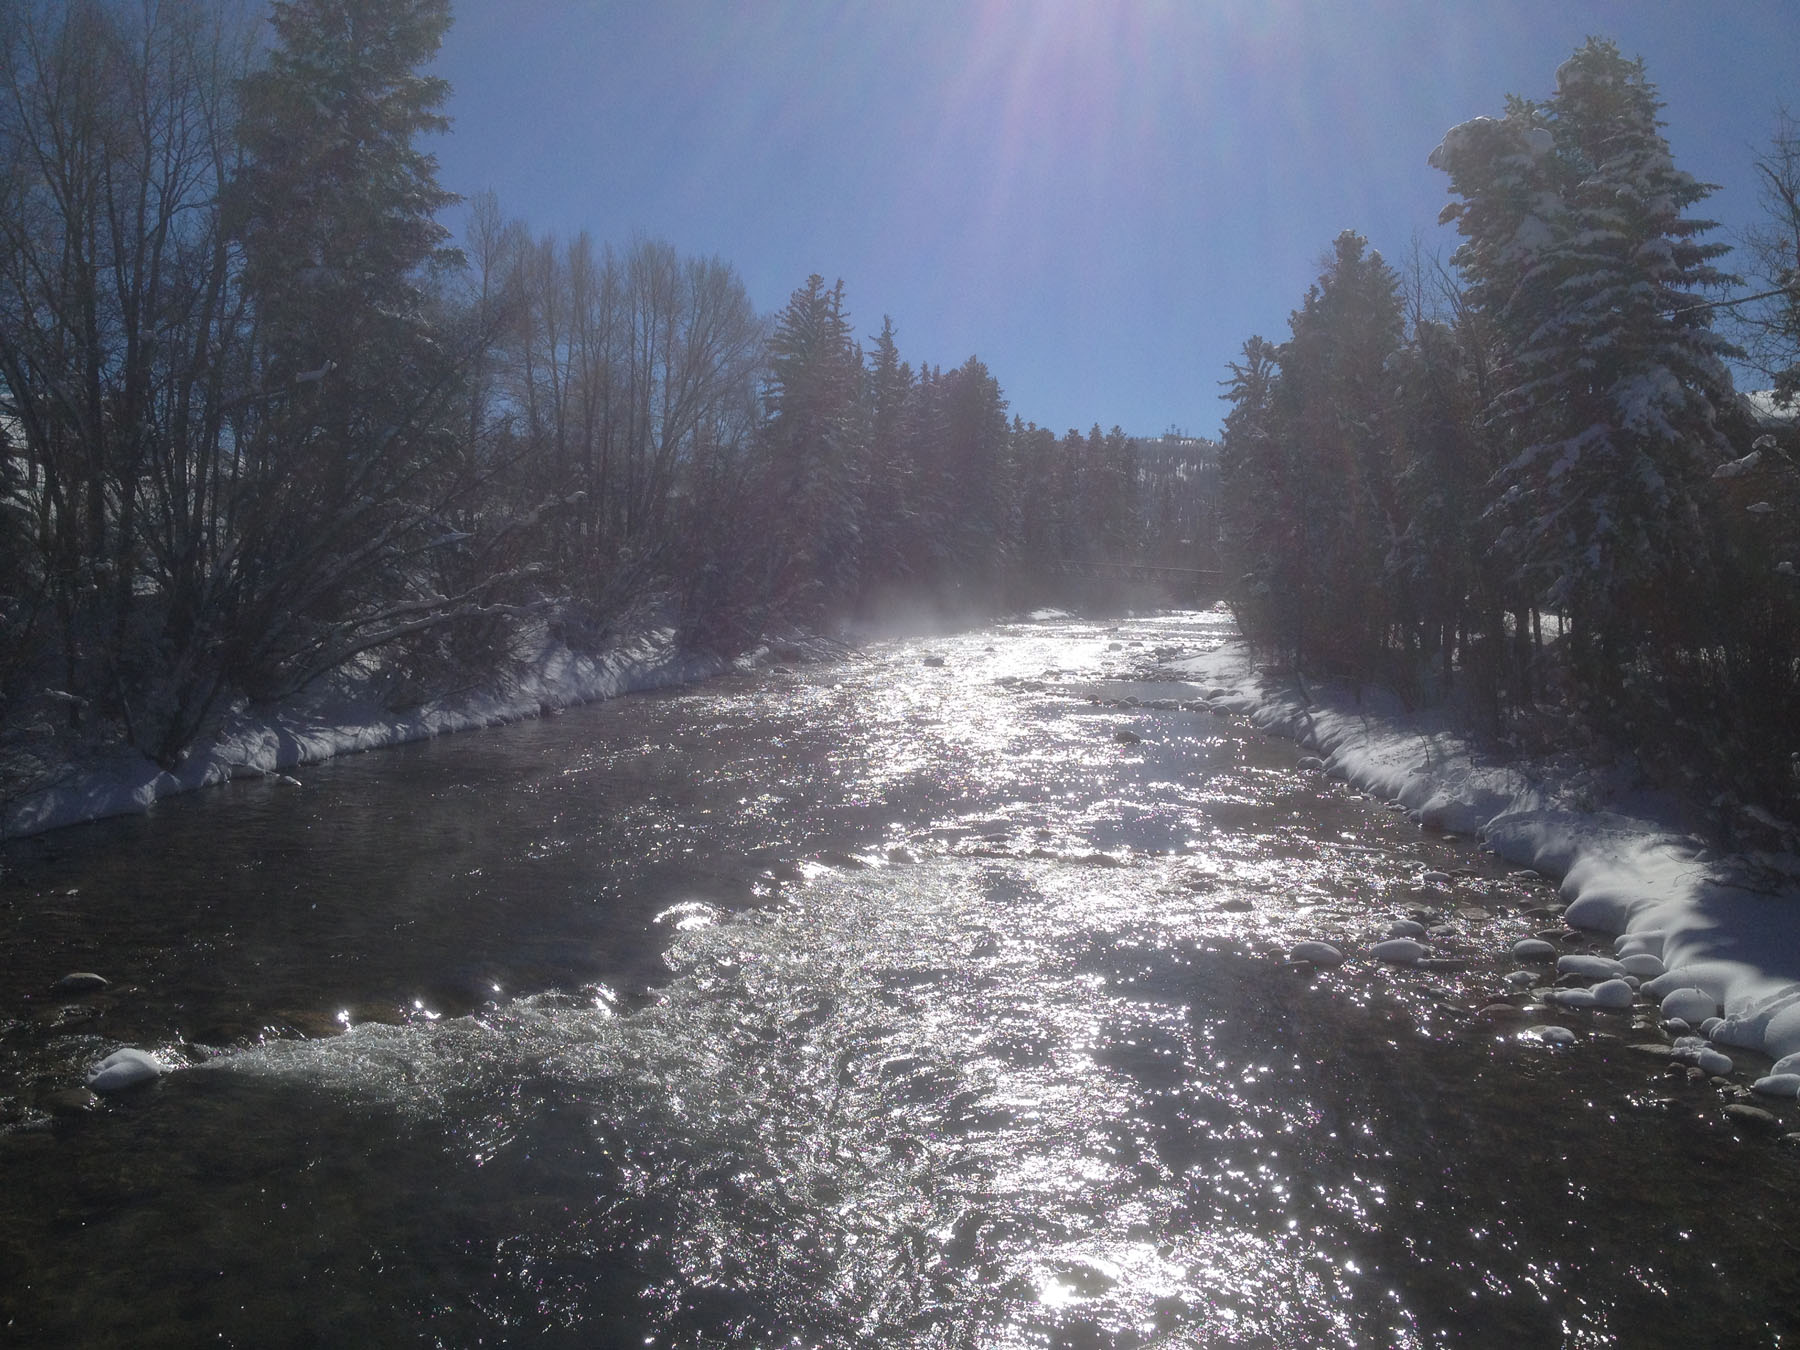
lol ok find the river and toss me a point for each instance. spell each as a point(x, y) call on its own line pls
point(893, 1001)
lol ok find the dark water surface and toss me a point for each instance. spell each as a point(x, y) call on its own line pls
point(874, 1003)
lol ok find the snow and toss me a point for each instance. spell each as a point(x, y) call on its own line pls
point(343, 720)
point(1724, 928)
point(125, 1069)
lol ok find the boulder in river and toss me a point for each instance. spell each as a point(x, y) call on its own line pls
point(125, 1069)
point(79, 982)
point(1398, 951)
point(1317, 953)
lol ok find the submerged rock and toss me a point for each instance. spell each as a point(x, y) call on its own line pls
point(1753, 1118)
point(79, 982)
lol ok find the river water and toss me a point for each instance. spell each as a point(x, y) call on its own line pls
point(866, 1003)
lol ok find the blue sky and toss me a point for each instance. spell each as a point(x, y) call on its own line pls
point(1101, 200)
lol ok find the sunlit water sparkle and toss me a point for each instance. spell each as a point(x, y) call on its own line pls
point(878, 1004)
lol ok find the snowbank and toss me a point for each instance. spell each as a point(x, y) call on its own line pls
point(340, 723)
point(1726, 924)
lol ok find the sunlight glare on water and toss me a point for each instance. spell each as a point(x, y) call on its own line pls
point(881, 1003)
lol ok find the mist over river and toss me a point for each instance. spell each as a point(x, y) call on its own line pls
point(904, 1000)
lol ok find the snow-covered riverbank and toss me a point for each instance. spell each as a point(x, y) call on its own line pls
point(1724, 923)
point(343, 720)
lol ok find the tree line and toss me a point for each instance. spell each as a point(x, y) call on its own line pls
point(260, 421)
point(1526, 480)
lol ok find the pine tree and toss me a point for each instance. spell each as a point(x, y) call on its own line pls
point(1334, 405)
point(349, 450)
point(1259, 531)
point(815, 442)
point(336, 208)
point(1577, 248)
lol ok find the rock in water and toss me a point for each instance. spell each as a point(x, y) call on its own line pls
point(1612, 994)
point(1690, 1005)
point(124, 1069)
point(79, 982)
point(1398, 951)
point(1533, 949)
point(1589, 967)
point(1319, 953)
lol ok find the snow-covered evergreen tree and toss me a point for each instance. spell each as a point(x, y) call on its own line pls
point(1577, 247)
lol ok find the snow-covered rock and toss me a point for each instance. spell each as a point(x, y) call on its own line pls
point(125, 1069)
point(1726, 931)
point(1785, 1085)
point(1613, 994)
point(1589, 967)
point(1548, 1035)
point(1688, 1005)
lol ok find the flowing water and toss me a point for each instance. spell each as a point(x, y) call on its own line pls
point(869, 1003)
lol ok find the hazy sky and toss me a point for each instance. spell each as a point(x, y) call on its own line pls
point(1101, 200)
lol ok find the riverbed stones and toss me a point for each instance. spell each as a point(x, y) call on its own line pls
point(1752, 1119)
point(1316, 953)
point(79, 982)
point(66, 1103)
point(1398, 951)
point(1405, 928)
point(1124, 737)
point(1533, 949)
point(1783, 1085)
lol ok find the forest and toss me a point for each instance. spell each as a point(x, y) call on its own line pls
point(262, 423)
point(1525, 480)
